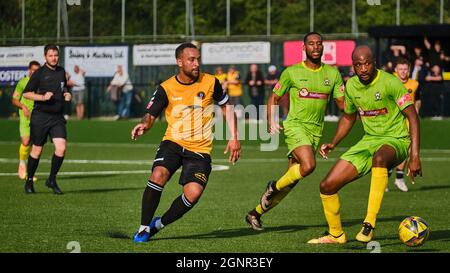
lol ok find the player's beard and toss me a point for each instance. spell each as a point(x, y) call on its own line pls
point(52, 66)
point(316, 60)
point(193, 74)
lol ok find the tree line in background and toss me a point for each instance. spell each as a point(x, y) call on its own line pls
point(247, 17)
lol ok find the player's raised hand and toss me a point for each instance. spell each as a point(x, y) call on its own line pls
point(325, 149)
point(47, 96)
point(234, 146)
point(275, 128)
point(67, 96)
point(414, 168)
point(138, 130)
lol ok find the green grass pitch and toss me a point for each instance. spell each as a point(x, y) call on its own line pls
point(104, 175)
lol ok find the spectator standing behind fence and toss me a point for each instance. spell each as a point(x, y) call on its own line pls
point(436, 56)
point(222, 77)
point(121, 91)
point(234, 88)
point(395, 51)
point(435, 86)
point(255, 82)
point(271, 80)
point(78, 90)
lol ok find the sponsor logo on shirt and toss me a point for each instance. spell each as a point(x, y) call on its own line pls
point(277, 86)
point(176, 98)
point(150, 104)
point(372, 113)
point(404, 99)
point(304, 93)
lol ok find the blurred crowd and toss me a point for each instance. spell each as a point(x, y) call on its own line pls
point(258, 86)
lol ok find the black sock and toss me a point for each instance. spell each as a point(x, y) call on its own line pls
point(32, 166)
point(56, 165)
point(399, 174)
point(178, 208)
point(150, 201)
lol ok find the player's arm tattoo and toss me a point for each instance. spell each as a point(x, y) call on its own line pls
point(148, 120)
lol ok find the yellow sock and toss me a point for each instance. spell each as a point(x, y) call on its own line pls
point(290, 177)
point(377, 187)
point(276, 199)
point(331, 208)
point(259, 209)
point(24, 151)
point(284, 185)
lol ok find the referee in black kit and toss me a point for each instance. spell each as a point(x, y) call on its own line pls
point(47, 87)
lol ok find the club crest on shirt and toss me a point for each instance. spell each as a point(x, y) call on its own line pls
point(303, 92)
point(327, 82)
point(377, 96)
point(62, 85)
point(201, 95)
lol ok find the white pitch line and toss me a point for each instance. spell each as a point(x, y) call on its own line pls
point(154, 145)
point(214, 168)
point(149, 162)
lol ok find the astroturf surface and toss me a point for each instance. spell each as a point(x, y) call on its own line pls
point(105, 173)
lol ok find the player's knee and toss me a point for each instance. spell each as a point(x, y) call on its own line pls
point(193, 192)
point(327, 187)
point(307, 168)
point(378, 161)
point(36, 151)
point(159, 176)
point(60, 150)
point(25, 142)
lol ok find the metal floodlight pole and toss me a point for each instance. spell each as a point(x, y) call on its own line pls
point(228, 18)
point(311, 15)
point(269, 4)
point(155, 21)
point(58, 21)
point(91, 21)
point(123, 21)
point(441, 17)
point(23, 21)
point(191, 18)
point(65, 20)
point(186, 22)
point(398, 13)
point(354, 22)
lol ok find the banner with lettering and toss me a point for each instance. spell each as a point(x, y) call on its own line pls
point(97, 61)
point(11, 75)
point(157, 54)
point(236, 53)
point(20, 56)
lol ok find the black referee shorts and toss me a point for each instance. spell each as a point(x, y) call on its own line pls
point(196, 166)
point(43, 125)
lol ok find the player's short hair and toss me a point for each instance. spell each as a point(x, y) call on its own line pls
point(33, 63)
point(181, 47)
point(50, 47)
point(402, 60)
point(312, 33)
